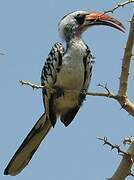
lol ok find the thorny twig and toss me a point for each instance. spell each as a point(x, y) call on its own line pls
point(105, 87)
point(124, 168)
point(115, 146)
point(118, 6)
point(35, 86)
point(131, 174)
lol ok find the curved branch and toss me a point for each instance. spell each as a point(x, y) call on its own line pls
point(119, 5)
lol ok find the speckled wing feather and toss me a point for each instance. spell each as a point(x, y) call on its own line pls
point(48, 78)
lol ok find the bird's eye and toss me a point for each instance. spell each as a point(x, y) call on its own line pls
point(80, 19)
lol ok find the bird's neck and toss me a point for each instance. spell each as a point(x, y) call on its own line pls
point(74, 38)
point(76, 44)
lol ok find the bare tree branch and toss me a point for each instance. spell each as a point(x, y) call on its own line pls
point(126, 62)
point(107, 94)
point(113, 146)
point(111, 95)
point(118, 6)
point(125, 166)
point(121, 97)
point(33, 86)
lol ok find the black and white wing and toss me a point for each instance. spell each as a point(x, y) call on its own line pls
point(52, 65)
point(48, 78)
point(88, 64)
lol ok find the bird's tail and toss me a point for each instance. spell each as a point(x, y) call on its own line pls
point(30, 144)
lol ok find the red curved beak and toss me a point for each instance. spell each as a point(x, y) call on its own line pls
point(95, 18)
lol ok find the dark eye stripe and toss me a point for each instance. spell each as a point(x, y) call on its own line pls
point(80, 18)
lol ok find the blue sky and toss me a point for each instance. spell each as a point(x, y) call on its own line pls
point(28, 29)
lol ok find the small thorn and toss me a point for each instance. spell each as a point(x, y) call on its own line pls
point(21, 83)
point(122, 107)
point(129, 21)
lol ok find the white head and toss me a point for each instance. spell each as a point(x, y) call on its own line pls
point(75, 23)
point(70, 23)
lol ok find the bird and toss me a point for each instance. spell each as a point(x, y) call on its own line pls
point(65, 76)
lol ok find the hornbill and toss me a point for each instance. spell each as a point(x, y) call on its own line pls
point(67, 74)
